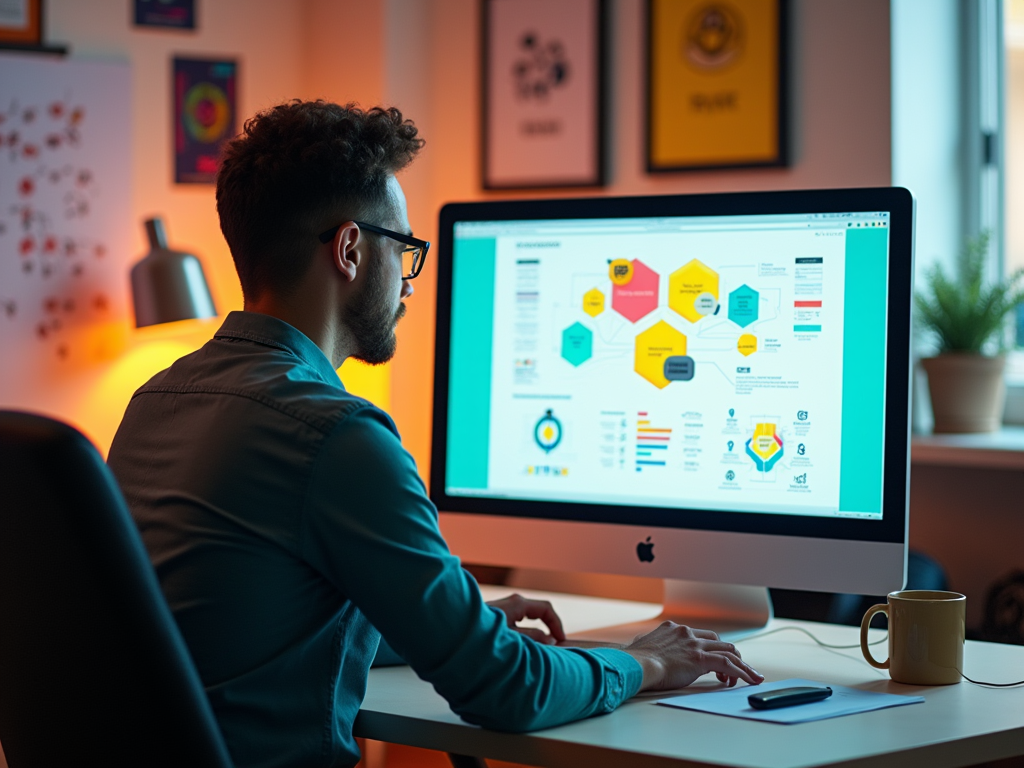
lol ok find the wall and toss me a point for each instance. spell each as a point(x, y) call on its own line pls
point(270, 41)
point(841, 119)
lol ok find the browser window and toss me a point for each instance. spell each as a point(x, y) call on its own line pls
point(731, 363)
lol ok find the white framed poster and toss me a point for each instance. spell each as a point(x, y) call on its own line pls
point(543, 93)
point(65, 215)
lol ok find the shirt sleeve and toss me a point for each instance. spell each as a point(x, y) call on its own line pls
point(370, 528)
point(386, 657)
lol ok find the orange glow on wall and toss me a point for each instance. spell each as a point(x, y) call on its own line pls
point(98, 413)
point(372, 382)
point(104, 392)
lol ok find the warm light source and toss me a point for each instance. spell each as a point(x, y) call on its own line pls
point(168, 285)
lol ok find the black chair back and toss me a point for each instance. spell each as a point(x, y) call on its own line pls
point(93, 670)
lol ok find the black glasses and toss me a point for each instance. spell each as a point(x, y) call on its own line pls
point(413, 255)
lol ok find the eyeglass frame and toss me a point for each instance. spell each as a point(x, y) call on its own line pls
point(414, 242)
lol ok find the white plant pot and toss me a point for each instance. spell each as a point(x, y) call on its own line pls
point(967, 391)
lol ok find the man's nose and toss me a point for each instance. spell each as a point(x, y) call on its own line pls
point(406, 289)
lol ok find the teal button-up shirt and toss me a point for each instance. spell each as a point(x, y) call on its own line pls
point(287, 526)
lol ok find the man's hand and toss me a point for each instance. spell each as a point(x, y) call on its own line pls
point(516, 608)
point(673, 656)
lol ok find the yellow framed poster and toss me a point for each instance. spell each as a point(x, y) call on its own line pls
point(716, 84)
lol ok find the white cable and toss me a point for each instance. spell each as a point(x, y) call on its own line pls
point(876, 642)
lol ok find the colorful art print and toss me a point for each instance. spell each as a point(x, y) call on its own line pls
point(21, 22)
point(205, 116)
point(176, 14)
point(543, 93)
point(716, 84)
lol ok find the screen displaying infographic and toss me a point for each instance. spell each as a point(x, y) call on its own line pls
point(672, 362)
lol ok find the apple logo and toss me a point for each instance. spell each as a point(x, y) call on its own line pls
point(645, 551)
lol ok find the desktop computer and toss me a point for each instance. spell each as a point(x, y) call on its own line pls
point(700, 388)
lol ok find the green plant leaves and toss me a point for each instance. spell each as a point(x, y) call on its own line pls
point(963, 313)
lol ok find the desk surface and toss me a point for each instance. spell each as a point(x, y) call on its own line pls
point(957, 725)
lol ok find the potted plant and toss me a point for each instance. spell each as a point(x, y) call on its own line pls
point(967, 318)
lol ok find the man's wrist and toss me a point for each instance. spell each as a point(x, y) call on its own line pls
point(653, 670)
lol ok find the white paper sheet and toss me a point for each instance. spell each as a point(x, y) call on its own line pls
point(843, 701)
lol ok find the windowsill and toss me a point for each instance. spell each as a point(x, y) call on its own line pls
point(991, 450)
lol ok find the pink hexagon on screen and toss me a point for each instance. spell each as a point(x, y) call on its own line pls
point(639, 296)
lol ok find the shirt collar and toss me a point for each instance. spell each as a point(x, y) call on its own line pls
point(274, 332)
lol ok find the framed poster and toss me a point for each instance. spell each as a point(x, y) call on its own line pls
point(716, 84)
point(21, 22)
point(175, 14)
point(205, 116)
point(543, 93)
point(65, 218)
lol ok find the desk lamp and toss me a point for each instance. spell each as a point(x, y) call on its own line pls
point(168, 285)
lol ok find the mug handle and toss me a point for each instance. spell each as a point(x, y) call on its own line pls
point(882, 608)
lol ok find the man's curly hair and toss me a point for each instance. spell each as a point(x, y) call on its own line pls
point(298, 169)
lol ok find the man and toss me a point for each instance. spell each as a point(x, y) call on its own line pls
point(286, 522)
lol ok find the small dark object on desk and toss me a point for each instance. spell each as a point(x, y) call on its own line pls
point(788, 697)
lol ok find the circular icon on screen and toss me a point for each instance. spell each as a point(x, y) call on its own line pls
point(620, 271)
point(547, 433)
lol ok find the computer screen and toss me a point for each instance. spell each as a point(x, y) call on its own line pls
point(705, 362)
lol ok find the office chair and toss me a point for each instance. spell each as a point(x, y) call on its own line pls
point(93, 670)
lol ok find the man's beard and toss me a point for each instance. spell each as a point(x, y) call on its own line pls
point(369, 318)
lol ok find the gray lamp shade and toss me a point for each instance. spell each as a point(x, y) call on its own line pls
point(168, 285)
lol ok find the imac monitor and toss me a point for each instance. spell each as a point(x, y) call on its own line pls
point(700, 387)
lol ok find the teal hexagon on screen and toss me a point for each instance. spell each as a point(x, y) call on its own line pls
point(577, 343)
point(743, 305)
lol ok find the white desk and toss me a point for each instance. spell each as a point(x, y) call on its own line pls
point(957, 725)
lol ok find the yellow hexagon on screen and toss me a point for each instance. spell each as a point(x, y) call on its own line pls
point(593, 302)
point(693, 290)
point(653, 347)
point(747, 345)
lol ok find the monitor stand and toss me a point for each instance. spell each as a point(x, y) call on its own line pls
point(733, 611)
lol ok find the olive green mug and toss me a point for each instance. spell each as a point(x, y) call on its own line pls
point(926, 636)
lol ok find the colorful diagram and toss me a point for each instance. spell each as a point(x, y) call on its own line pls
point(547, 433)
point(660, 351)
point(765, 447)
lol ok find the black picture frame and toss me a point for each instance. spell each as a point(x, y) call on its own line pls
point(166, 14)
point(782, 153)
point(596, 173)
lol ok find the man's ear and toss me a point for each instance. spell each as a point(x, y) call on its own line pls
point(343, 250)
